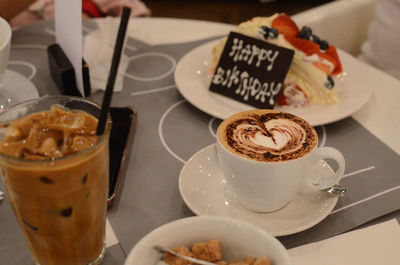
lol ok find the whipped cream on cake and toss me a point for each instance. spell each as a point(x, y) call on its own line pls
point(310, 78)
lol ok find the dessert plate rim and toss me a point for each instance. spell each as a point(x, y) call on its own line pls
point(192, 77)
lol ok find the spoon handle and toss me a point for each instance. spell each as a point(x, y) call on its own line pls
point(196, 261)
point(337, 190)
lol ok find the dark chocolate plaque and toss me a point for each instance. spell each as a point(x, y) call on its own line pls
point(251, 71)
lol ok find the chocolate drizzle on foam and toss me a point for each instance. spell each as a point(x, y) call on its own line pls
point(272, 136)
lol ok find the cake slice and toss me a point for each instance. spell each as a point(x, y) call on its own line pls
point(311, 76)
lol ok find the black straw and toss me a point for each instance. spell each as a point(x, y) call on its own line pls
point(105, 107)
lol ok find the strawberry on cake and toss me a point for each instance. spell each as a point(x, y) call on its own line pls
point(315, 63)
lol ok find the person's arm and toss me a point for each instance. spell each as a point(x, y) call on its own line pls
point(10, 8)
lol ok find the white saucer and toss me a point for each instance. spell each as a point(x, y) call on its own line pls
point(18, 87)
point(202, 187)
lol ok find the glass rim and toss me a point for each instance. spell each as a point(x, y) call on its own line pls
point(101, 139)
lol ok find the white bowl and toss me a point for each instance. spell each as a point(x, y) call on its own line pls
point(239, 240)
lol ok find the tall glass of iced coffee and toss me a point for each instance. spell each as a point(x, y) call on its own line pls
point(55, 170)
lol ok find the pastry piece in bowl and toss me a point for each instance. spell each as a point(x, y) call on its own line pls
point(216, 239)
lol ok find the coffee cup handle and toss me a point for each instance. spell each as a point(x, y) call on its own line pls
point(324, 181)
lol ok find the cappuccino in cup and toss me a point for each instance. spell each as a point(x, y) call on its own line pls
point(266, 155)
point(267, 136)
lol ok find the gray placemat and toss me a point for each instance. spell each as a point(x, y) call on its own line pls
point(170, 130)
point(28, 56)
point(371, 176)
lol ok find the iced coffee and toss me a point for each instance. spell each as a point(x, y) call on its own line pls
point(55, 170)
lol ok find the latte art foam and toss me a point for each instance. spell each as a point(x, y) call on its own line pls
point(271, 136)
point(284, 136)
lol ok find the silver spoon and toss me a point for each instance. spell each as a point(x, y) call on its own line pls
point(196, 261)
point(337, 190)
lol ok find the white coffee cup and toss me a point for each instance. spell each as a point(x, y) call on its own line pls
point(5, 42)
point(266, 186)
